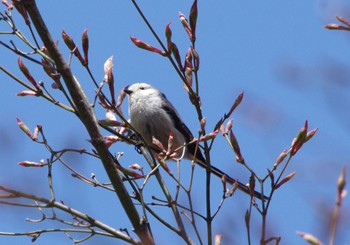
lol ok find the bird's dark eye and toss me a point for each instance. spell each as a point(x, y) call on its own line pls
point(142, 87)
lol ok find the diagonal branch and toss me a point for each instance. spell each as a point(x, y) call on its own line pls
point(87, 116)
point(74, 212)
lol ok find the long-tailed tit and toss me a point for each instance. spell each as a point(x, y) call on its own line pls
point(153, 116)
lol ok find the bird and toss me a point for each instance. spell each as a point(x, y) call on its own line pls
point(153, 116)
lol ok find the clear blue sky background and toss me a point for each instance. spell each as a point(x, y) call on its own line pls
point(277, 52)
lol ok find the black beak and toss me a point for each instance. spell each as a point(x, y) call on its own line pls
point(127, 91)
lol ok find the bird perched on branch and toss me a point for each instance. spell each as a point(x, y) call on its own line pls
point(154, 117)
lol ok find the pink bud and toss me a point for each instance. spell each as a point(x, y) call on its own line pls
point(310, 134)
point(185, 24)
point(113, 138)
point(209, 136)
point(108, 66)
point(146, 46)
point(102, 101)
point(170, 142)
point(9, 6)
point(342, 20)
point(217, 239)
point(109, 78)
point(72, 46)
point(129, 172)
point(229, 125)
point(121, 97)
point(222, 129)
point(51, 72)
point(27, 92)
point(285, 180)
point(203, 123)
point(337, 27)
point(37, 129)
point(136, 167)
point(110, 115)
point(24, 128)
point(31, 164)
point(300, 139)
point(309, 238)
point(28, 75)
point(157, 143)
point(280, 158)
point(163, 164)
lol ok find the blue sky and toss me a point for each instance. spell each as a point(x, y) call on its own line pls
point(277, 52)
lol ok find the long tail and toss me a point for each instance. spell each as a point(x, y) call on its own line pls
point(231, 181)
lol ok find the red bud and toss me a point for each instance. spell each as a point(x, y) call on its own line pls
point(163, 164)
point(195, 59)
point(251, 185)
point(72, 46)
point(188, 59)
point(28, 75)
point(235, 146)
point(129, 172)
point(110, 123)
point(85, 45)
point(235, 104)
point(175, 51)
point(193, 20)
point(272, 177)
point(20, 8)
point(168, 32)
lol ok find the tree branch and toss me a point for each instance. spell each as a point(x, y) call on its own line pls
point(87, 116)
